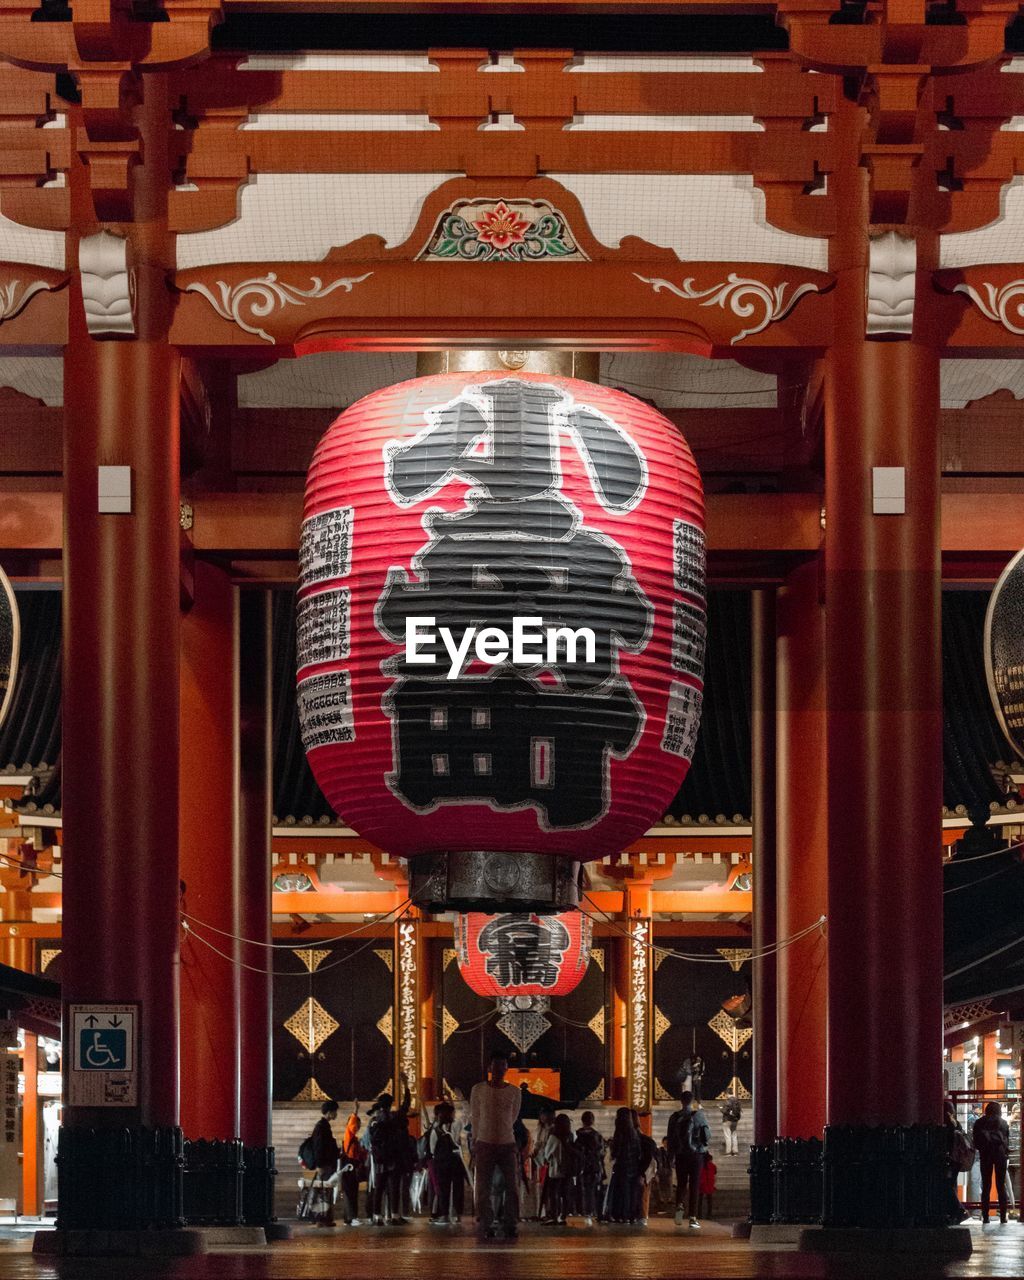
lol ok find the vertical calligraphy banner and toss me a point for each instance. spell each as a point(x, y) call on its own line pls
point(408, 1037)
point(639, 1052)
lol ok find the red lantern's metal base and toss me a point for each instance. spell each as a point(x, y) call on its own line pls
point(494, 881)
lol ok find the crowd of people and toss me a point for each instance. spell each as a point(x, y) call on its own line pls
point(485, 1158)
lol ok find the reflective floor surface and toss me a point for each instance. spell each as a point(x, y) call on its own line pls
point(418, 1252)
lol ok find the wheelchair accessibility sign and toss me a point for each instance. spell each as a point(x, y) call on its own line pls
point(104, 1052)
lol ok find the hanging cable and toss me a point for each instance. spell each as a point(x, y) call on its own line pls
point(285, 973)
point(981, 959)
point(818, 924)
point(297, 946)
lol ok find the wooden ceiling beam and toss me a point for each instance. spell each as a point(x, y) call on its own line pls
point(216, 153)
point(266, 525)
point(552, 93)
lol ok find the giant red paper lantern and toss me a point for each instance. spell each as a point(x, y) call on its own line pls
point(523, 954)
point(553, 532)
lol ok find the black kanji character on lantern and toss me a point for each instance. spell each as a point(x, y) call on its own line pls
point(517, 548)
point(483, 582)
point(523, 949)
point(511, 741)
point(504, 440)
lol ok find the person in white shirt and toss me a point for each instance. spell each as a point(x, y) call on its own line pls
point(494, 1108)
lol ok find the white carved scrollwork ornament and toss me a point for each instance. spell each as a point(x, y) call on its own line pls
point(14, 295)
point(1002, 303)
point(743, 296)
point(260, 297)
point(639, 1014)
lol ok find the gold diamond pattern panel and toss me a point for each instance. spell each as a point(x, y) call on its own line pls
point(310, 1092)
point(46, 957)
point(447, 956)
point(448, 1025)
point(659, 959)
point(597, 955)
point(386, 1026)
point(737, 956)
point(596, 1024)
point(661, 1024)
point(597, 1094)
point(661, 1094)
point(312, 959)
point(736, 1089)
point(387, 955)
point(735, 1037)
point(311, 1025)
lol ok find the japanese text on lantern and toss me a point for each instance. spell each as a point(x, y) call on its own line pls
point(522, 949)
point(542, 736)
point(323, 629)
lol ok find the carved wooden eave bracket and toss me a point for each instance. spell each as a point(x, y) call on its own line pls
point(984, 306)
point(106, 32)
point(33, 305)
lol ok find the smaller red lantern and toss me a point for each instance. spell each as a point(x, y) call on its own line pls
point(523, 959)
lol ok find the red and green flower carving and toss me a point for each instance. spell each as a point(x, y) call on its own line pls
point(502, 231)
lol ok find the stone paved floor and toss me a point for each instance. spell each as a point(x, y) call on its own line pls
point(420, 1253)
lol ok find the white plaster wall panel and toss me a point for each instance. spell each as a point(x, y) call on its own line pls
point(505, 123)
point(30, 245)
point(666, 124)
point(1015, 66)
point(329, 122)
point(999, 241)
point(703, 217)
point(1014, 125)
point(302, 216)
point(503, 62)
point(689, 382)
point(325, 380)
point(669, 62)
point(399, 62)
point(41, 377)
point(963, 381)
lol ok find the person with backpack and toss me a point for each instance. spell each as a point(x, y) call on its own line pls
point(666, 1200)
point(992, 1139)
point(389, 1156)
point(321, 1153)
point(590, 1163)
point(447, 1172)
point(648, 1168)
point(689, 1137)
point(560, 1163)
point(961, 1160)
point(731, 1114)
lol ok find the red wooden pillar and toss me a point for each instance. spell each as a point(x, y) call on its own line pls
point(121, 666)
point(802, 809)
point(763, 765)
point(253, 867)
point(209, 1015)
point(884, 738)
